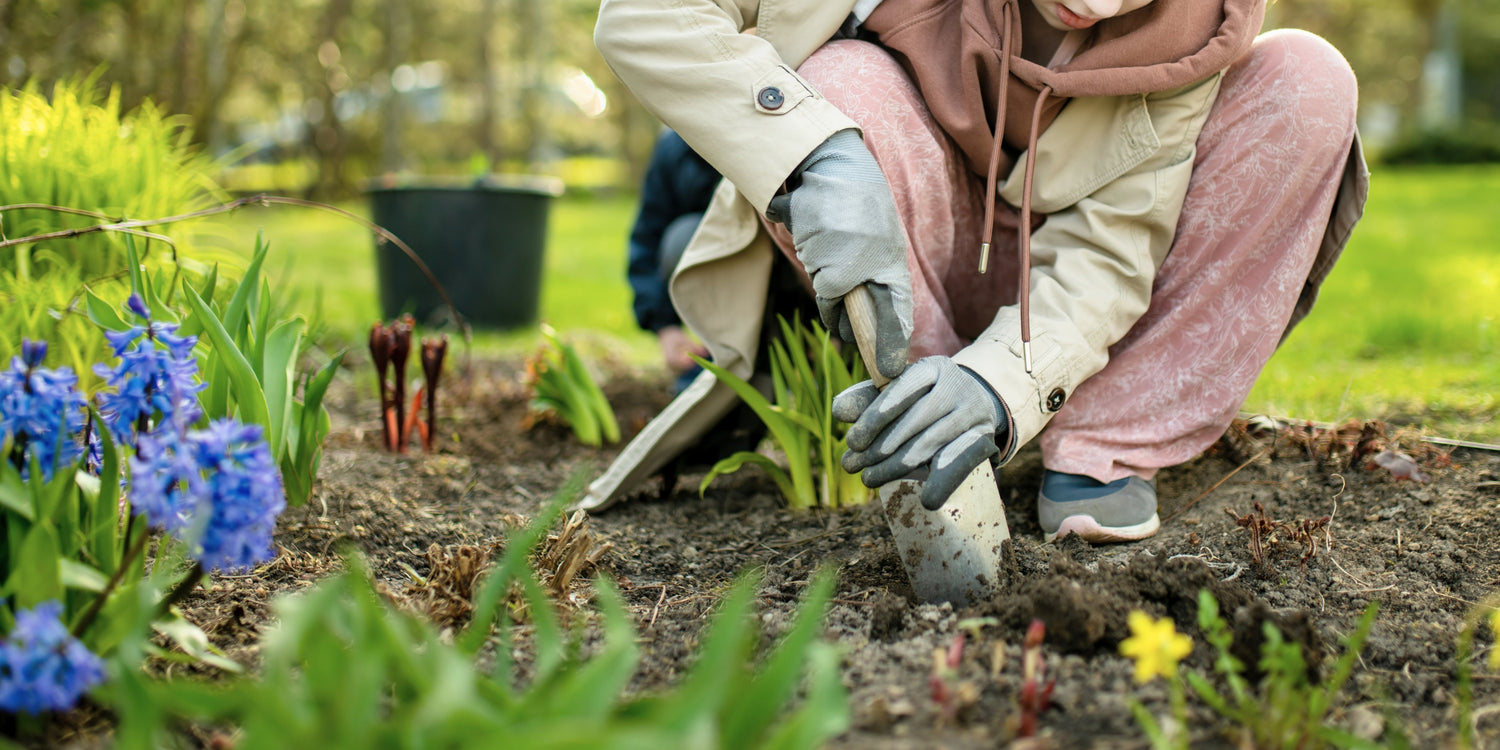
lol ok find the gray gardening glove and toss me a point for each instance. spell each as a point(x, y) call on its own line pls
point(846, 232)
point(937, 415)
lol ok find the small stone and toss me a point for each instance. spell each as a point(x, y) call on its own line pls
point(1366, 724)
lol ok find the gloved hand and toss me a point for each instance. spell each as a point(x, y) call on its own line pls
point(937, 415)
point(846, 232)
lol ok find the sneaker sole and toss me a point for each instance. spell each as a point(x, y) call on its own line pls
point(1091, 531)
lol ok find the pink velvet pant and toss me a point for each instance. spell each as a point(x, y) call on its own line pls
point(1267, 171)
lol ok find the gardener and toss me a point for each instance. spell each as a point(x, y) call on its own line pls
point(674, 194)
point(1189, 185)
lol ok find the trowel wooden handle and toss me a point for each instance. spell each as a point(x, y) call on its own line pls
point(861, 307)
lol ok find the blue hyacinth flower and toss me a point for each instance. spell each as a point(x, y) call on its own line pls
point(42, 666)
point(156, 380)
point(218, 489)
point(41, 411)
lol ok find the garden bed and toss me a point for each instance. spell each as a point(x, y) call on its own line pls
point(1427, 552)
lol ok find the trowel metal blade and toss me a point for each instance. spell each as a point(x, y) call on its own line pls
point(953, 553)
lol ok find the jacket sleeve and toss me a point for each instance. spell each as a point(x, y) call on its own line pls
point(1094, 260)
point(728, 94)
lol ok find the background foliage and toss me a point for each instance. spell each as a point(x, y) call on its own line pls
point(319, 94)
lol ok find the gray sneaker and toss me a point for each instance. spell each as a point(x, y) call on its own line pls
point(1121, 511)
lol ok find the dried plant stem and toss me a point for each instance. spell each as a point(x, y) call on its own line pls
point(1220, 483)
point(181, 590)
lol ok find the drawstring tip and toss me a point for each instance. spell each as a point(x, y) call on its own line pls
point(984, 257)
point(1026, 355)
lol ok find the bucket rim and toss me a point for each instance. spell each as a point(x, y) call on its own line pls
point(496, 183)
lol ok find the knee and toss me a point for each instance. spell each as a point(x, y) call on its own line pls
point(1314, 69)
point(848, 71)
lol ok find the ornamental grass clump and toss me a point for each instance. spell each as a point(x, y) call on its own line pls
point(70, 143)
point(345, 668)
point(807, 370)
point(562, 387)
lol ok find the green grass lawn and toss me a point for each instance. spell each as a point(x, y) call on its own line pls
point(328, 264)
point(1405, 329)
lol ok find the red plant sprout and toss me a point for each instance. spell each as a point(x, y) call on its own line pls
point(390, 347)
point(1036, 689)
point(380, 354)
point(943, 680)
point(433, 352)
point(400, 350)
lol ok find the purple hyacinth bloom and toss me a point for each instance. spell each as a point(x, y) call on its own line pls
point(155, 382)
point(41, 411)
point(33, 352)
point(137, 306)
point(42, 666)
point(217, 488)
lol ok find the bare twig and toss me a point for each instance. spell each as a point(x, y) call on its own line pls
point(1219, 483)
point(261, 199)
point(657, 609)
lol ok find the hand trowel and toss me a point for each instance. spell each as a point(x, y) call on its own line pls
point(951, 554)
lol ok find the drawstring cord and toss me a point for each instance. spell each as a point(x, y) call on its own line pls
point(1025, 283)
point(994, 170)
point(1012, 17)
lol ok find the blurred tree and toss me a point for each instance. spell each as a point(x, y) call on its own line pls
point(313, 82)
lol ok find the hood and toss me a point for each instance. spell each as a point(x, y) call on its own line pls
point(956, 51)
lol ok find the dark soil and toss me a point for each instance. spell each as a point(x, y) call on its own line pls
point(1427, 552)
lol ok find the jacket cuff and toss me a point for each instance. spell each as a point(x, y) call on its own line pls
point(1032, 399)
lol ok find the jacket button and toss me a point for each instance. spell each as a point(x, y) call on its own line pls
point(771, 97)
point(1055, 399)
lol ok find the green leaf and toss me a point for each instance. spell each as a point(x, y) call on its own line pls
point(260, 308)
point(105, 545)
point(155, 287)
point(718, 675)
point(194, 642)
point(193, 326)
point(825, 711)
point(781, 428)
point(757, 707)
point(590, 395)
point(76, 575)
point(37, 577)
point(313, 424)
point(13, 494)
point(548, 645)
point(133, 263)
point(737, 461)
point(278, 374)
point(234, 320)
point(102, 313)
point(247, 393)
point(590, 692)
point(556, 390)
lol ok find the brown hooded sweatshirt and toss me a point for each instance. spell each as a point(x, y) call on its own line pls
point(1164, 45)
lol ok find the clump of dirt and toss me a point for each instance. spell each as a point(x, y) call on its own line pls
point(1425, 550)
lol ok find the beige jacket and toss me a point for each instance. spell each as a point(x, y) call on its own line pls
point(688, 62)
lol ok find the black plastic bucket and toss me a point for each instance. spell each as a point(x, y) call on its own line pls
point(484, 241)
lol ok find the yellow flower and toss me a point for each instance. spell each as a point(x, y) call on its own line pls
point(1495, 629)
point(1155, 645)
